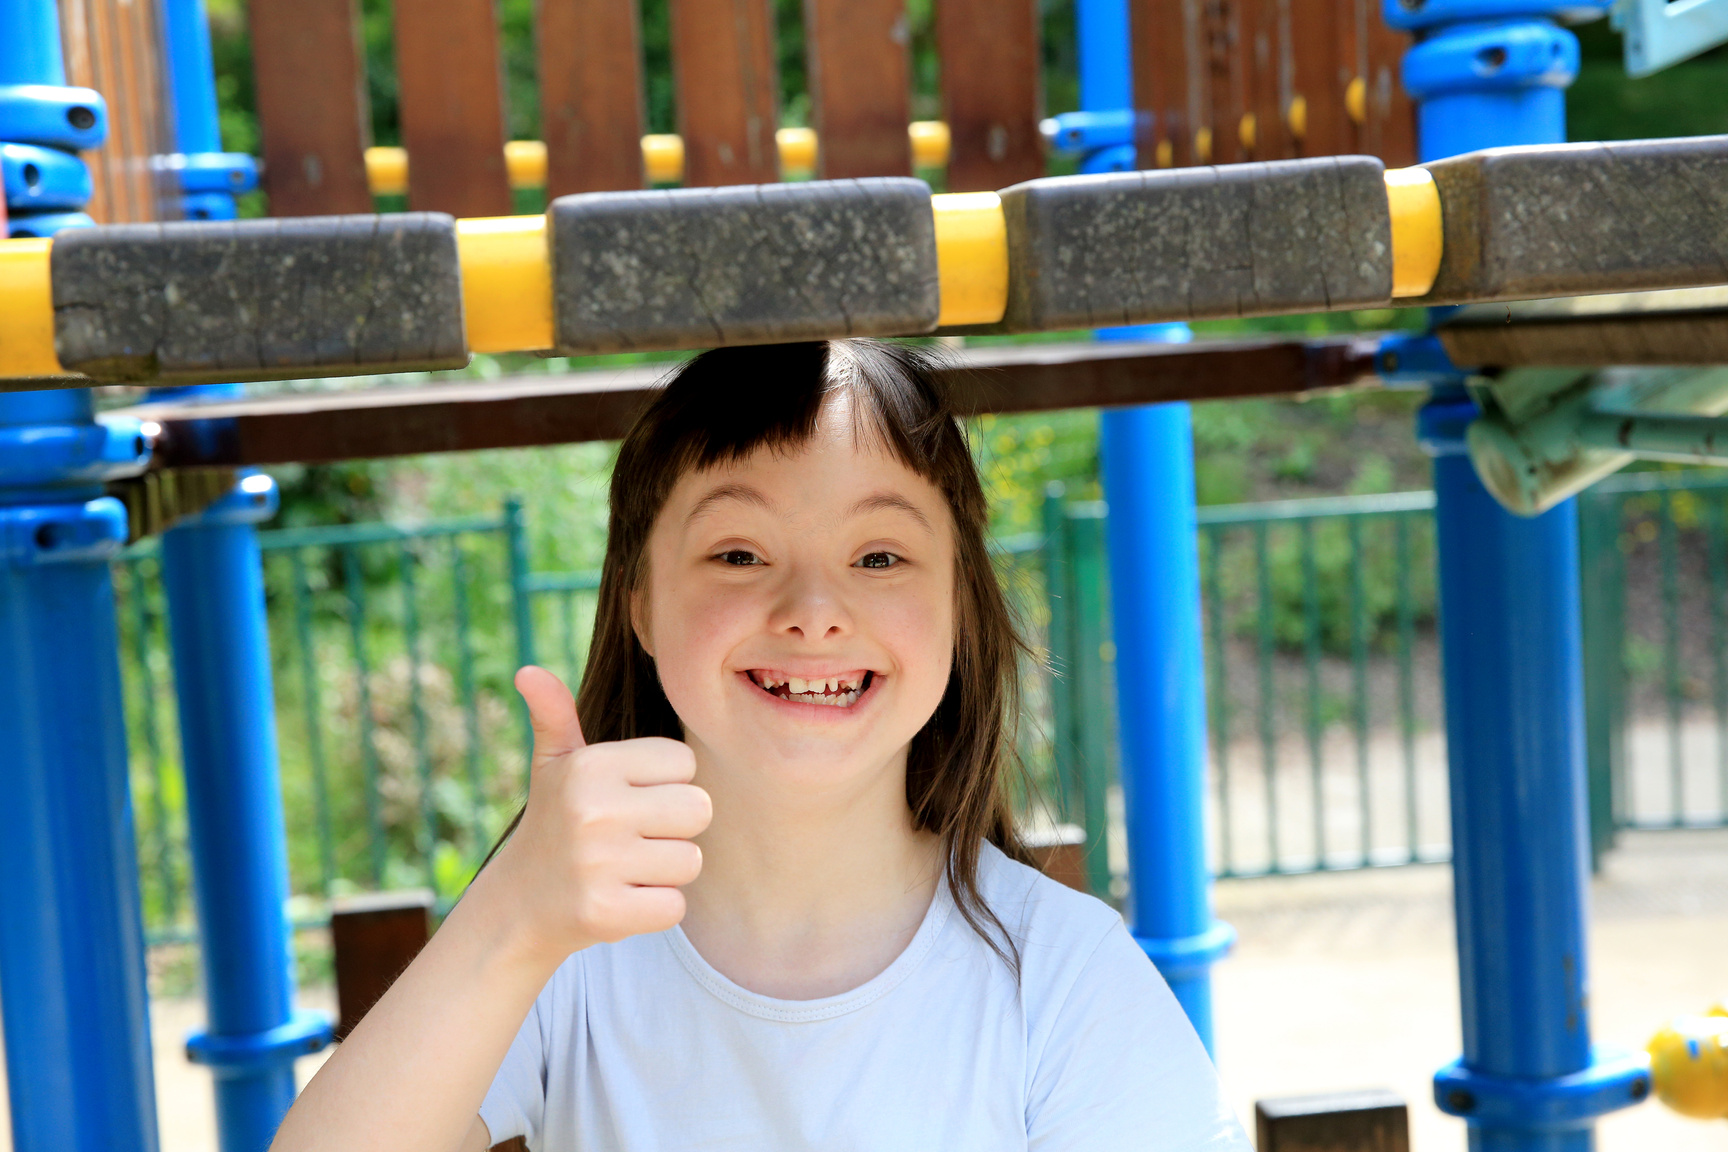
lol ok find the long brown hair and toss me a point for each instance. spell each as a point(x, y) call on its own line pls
point(722, 406)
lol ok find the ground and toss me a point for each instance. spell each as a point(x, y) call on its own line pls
point(1345, 980)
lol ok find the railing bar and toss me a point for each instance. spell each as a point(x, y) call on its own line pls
point(306, 659)
point(407, 561)
point(1220, 699)
point(563, 581)
point(1407, 689)
point(1359, 686)
point(567, 607)
point(348, 535)
point(1268, 732)
point(1321, 507)
point(1311, 666)
point(470, 697)
point(356, 590)
point(1666, 544)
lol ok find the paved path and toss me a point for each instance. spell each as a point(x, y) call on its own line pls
point(1346, 980)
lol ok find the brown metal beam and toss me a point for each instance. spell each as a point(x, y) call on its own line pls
point(319, 427)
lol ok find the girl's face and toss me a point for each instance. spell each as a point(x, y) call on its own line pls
point(800, 611)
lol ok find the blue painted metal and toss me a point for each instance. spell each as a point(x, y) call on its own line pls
point(77, 1030)
point(43, 179)
point(213, 578)
point(1148, 472)
point(1414, 359)
point(1488, 73)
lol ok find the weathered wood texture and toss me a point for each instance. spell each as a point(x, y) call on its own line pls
point(312, 111)
point(1370, 1121)
point(325, 295)
point(112, 46)
point(690, 268)
point(374, 938)
point(1565, 220)
point(591, 114)
point(728, 90)
point(1225, 81)
point(1199, 243)
point(1685, 326)
point(860, 86)
point(991, 93)
point(320, 427)
point(450, 85)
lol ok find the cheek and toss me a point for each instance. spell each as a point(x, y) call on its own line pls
point(693, 630)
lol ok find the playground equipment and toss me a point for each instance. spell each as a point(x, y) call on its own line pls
point(1689, 1065)
point(1284, 227)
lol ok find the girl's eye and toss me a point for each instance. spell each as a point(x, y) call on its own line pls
point(878, 560)
point(739, 557)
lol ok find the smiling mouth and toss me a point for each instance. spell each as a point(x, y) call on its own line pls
point(835, 691)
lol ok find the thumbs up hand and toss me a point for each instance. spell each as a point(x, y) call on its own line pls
point(605, 841)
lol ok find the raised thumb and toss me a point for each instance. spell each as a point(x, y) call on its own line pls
point(551, 712)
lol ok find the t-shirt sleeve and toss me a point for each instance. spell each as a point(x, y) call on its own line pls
point(515, 1105)
point(1121, 1068)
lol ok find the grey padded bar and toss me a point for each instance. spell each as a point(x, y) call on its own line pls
point(750, 264)
point(259, 299)
point(1198, 243)
point(1571, 219)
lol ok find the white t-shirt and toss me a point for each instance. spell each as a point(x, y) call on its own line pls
point(641, 1046)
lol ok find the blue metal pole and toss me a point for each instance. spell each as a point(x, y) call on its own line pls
point(71, 935)
point(213, 577)
point(1148, 473)
point(1488, 73)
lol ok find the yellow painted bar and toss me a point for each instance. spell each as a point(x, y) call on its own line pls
point(971, 257)
point(26, 310)
point(1417, 234)
point(506, 283)
point(662, 157)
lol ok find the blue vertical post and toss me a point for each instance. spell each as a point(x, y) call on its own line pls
point(77, 1028)
point(213, 578)
point(1488, 73)
point(1148, 472)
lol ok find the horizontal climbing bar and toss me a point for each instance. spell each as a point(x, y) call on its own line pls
point(701, 267)
point(662, 157)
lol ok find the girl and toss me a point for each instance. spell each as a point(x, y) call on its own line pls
point(766, 893)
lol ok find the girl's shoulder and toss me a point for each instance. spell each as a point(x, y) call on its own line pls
point(1057, 929)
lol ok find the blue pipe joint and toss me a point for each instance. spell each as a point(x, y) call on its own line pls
point(252, 501)
point(41, 179)
point(209, 181)
point(248, 1053)
point(1553, 1104)
point(1185, 957)
point(41, 225)
point(1089, 131)
point(1411, 359)
point(52, 454)
point(53, 115)
point(1441, 424)
point(91, 532)
point(1509, 72)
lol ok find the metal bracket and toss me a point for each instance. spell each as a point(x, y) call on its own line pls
point(87, 532)
point(1176, 957)
point(1613, 1081)
point(237, 1053)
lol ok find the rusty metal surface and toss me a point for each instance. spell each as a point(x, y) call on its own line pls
point(326, 426)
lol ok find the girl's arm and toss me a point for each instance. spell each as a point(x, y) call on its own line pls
point(599, 855)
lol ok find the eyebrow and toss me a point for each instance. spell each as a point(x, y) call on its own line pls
point(740, 492)
point(889, 502)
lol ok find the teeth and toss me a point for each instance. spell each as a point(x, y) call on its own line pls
point(797, 685)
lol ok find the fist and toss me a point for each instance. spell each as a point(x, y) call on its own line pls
point(605, 841)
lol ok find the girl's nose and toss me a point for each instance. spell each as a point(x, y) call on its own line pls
point(811, 606)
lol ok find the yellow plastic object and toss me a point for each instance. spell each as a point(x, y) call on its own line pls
point(663, 157)
point(26, 310)
point(1417, 236)
point(1296, 116)
point(1356, 99)
point(1689, 1066)
point(797, 147)
point(1165, 154)
point(387, 171)
point(971, 257)
point(525, 161)
point(506, 283)
point(1203, 145)
point(1248, 131)
point(931, 142)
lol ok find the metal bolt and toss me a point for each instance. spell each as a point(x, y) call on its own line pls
point(80, 117)
point(1460, 1100)
point(1640, 1089)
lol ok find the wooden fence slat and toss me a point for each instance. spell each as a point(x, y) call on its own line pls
point(1391, 127)
point(312, 110)
point(450, 85)
point(728, 90)
point(591, 113)
point(1274, 84)
point(860, 86)
point(1227, 31)
point(991, 93)
point(111, 46)
point(1169, 76)
point(1317, 28)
